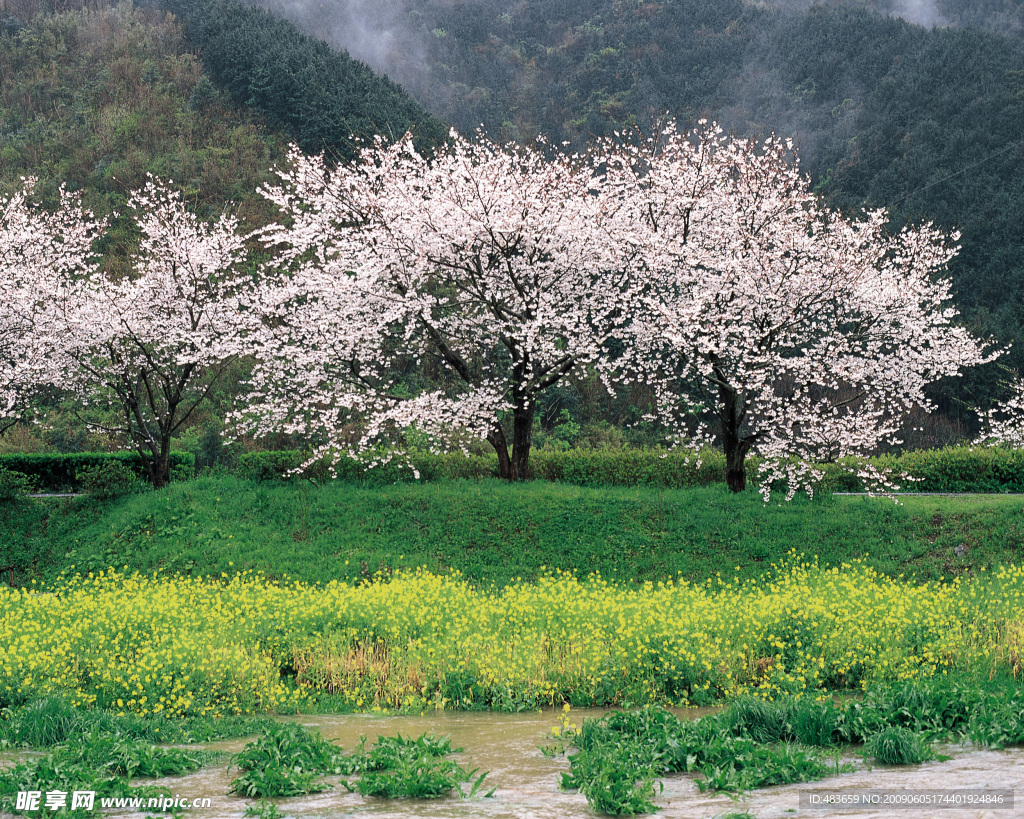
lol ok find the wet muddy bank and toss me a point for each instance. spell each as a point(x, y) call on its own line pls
point(527, 781)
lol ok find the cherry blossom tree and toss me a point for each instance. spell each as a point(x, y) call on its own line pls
point(501, 270)
point(154, 344)
point(40, 252)
point(770, 323)
point(1004, 425)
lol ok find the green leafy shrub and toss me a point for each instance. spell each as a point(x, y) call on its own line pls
point(269, 465)
point(109, 480)
point(13, 484)
point(62, 471)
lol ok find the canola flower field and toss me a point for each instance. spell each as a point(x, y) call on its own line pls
point(181, 646)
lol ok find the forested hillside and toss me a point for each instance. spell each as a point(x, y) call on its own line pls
point(926, 121)
point(323, 98)
point(96, 100)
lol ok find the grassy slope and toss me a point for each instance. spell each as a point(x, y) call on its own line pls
point(494, 532)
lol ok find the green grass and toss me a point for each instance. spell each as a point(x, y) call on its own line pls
point(288, 761)
point(752, 743)
point(52, 721)
point(495, 532)
point(897, 745)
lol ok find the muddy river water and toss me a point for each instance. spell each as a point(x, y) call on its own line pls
point(527, 782)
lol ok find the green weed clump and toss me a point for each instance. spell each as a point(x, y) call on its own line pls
point(998, 720)
point(760, 719)
point(415, 768)
point(52, 773)
point(98, 761)
point(264, 810)
point(935, 708)
point(896, 745)
point(287, 761)
point(814, 723)
point(54, 720)
point(622, 755)
point(131, 758)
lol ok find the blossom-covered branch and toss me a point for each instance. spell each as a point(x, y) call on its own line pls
point(41, 252)
point(153, 345)
point(500, 269)
point(781, 326)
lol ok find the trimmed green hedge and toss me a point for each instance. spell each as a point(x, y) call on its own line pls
point(276, 465)
point(583, 467)
point(961, 469)
point(56, 472)
point(632, 467)
point(953, 469)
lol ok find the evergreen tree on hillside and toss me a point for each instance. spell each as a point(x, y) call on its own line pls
point(321, 96)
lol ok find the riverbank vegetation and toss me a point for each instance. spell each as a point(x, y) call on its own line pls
point(106, 753)
point(179, 646)
point(754, 743)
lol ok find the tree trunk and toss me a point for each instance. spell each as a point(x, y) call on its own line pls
point(735, 462)
point(157, 461)
point(163, 471)
point(522, 431)
point(500, 443)
point(514, 466)
point(735, 446)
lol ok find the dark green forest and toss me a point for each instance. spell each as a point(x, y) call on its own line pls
point(323, 98)
point(925, 120)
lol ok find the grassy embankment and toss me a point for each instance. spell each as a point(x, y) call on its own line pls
point(497, 533)
point(688, 608)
